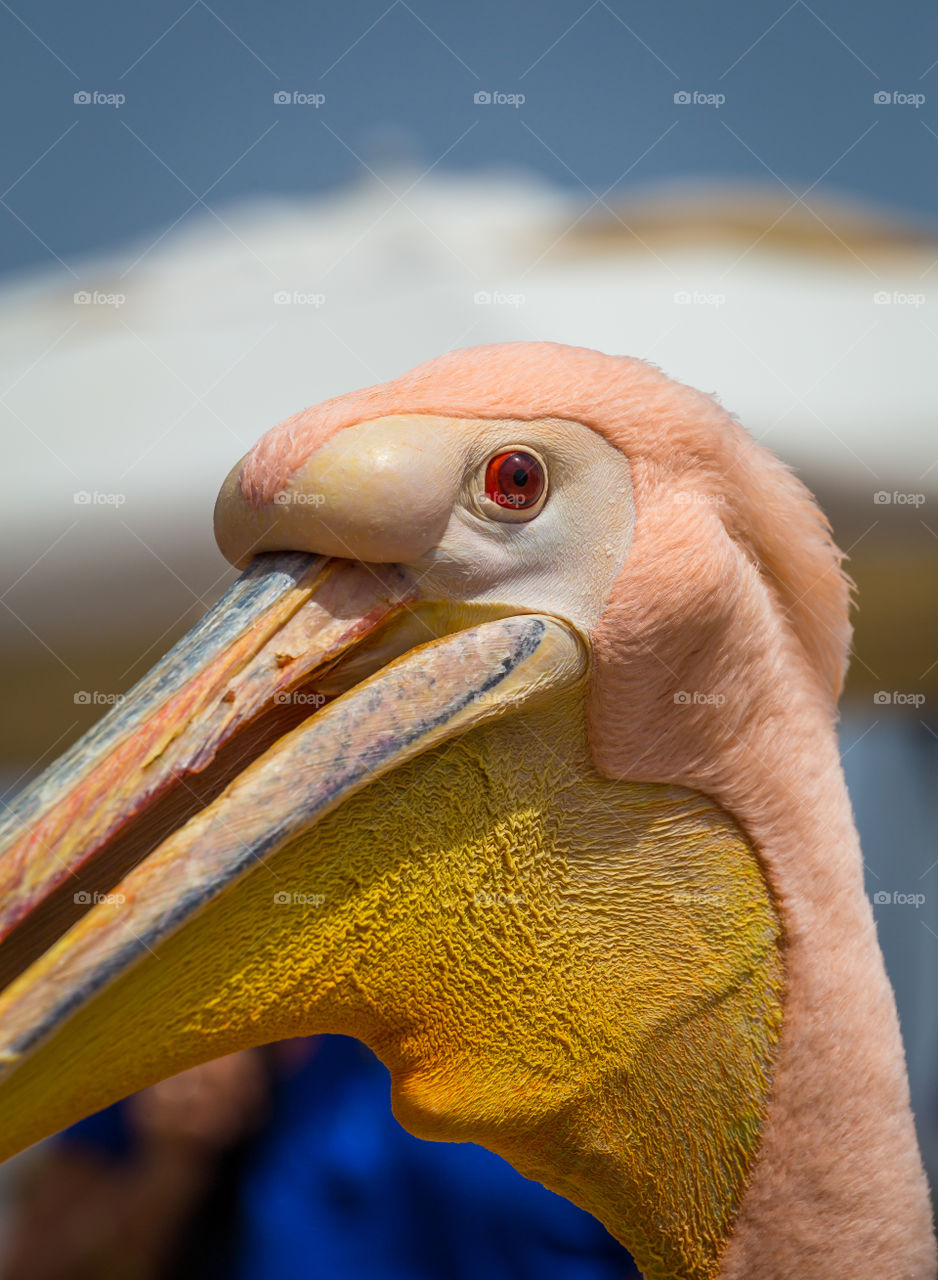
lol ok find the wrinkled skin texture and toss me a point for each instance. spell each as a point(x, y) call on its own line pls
point(582, 974)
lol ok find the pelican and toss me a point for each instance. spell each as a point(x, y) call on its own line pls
point(512, 754)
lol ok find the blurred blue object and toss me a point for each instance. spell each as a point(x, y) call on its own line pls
point(333, 1186)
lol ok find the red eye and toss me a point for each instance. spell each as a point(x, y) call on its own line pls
point(514, 481)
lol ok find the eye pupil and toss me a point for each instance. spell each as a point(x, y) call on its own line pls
point(514, 480)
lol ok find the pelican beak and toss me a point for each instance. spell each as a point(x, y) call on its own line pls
point(309, 680)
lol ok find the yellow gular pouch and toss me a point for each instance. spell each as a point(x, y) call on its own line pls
point(581, 974)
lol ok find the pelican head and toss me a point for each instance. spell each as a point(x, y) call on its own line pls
point(510, 753)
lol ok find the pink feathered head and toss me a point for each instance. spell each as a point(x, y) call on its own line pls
point(732, 599)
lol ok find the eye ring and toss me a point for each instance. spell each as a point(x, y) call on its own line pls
point(514, 485)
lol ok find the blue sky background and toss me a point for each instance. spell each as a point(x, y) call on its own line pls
point(599, 79)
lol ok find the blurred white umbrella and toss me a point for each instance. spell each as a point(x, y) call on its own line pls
point(138, 385)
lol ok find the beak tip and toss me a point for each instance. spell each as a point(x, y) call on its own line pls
point(230, 518)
